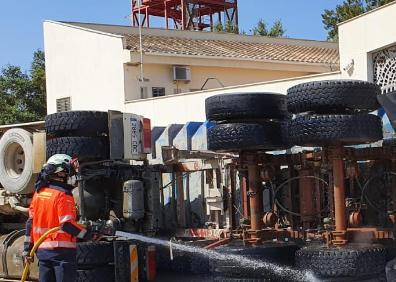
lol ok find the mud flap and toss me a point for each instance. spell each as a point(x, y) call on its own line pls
point(388, 102)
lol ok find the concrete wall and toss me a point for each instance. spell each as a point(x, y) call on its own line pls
point(191, 106)
point(84, 65)
point(361, 36)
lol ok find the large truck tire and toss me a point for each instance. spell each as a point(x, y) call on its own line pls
point(246, 106)
point(100, 274)
point(77, 123)
point(84, 148)
point(235, 137)
point(94, 253)
point(16, 161)
point(322, 130)
point(348, 261)
point(333, 97)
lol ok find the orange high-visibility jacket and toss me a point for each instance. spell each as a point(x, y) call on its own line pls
point(52, 208)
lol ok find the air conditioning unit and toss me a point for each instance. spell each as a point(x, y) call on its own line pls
point(181, 73)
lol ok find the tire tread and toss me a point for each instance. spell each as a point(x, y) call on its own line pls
point(333, 96)
point(77, 123)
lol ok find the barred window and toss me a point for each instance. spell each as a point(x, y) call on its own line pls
point(384, 63)
point(63, 105)
point(158, 91)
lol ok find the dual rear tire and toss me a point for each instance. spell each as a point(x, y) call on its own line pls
point(326, 113)
point(333, 113)
point(81, 134)
point(245, 121)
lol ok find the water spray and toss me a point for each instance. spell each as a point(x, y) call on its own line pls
point(287, 274)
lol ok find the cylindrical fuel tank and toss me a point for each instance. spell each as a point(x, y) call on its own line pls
point(133, 202)
point(11, 266)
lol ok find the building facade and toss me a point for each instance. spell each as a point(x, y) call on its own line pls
point(102, 66)
point(91, 66)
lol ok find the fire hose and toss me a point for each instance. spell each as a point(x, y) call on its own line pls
point(98, 229)
point(34, 249)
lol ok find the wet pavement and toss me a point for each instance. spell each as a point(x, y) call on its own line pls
point(171, 277)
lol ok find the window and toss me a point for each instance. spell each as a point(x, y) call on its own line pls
point(63, 105)
point(158, 91)
point(143, 93)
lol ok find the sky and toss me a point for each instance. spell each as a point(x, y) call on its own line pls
point(21, 20)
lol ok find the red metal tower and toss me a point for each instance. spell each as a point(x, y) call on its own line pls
point(186, 14)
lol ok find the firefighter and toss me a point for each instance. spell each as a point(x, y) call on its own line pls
point(53, 205)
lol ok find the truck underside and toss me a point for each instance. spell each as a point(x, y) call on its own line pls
point(328, 208)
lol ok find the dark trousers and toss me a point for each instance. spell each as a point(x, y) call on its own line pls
point(57, 266)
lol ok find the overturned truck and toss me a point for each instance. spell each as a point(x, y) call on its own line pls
point(303, 180)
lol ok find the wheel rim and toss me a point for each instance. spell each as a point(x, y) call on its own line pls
point(14, 162)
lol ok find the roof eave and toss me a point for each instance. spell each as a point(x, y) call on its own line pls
point(332, 66)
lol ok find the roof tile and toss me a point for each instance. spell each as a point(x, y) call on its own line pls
point(233, 49)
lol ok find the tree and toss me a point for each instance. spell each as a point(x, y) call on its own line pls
point(37, 76)
point(261, 28)
point(372, 4)
point(22, 96)
point(229, 27)
point(276, 30)
point(218, 27)
point(345, 11)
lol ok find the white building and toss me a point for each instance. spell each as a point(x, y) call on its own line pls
point(91, 66)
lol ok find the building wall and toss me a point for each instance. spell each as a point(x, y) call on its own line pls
point(84, 65)
point(361, 36)
point(191, 106)
point(159, 75)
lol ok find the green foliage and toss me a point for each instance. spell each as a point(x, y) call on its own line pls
point(229, 27)
point(345, 11)
point(218, 27)
point(372, 4)
point(22, 96)
point(261, 28)
point(276, 30)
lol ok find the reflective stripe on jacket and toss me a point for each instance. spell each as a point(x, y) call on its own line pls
point(51, 208)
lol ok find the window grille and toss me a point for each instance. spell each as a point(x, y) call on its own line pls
point(158, 91)
point(384, 63)
point(63, 105)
